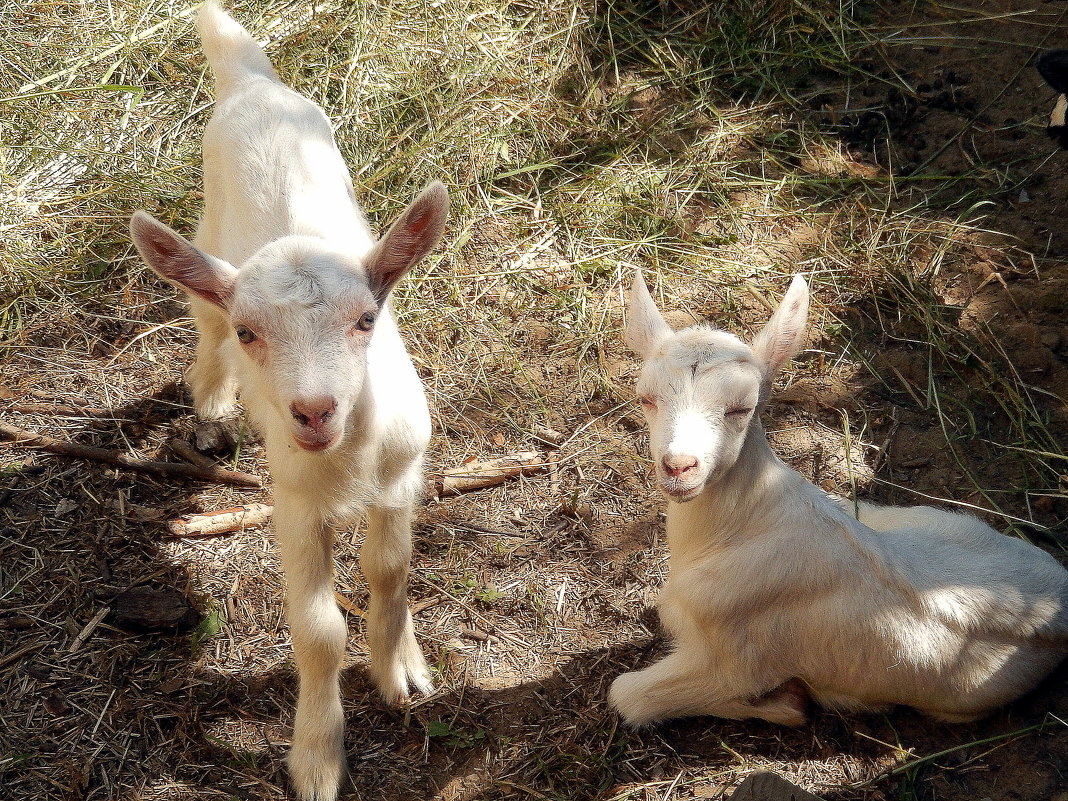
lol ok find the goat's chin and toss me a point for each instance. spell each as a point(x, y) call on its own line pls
point(316, 444)
point(681, 494)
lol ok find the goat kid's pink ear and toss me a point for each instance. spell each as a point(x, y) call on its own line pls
point(782, 337)
point(411, 237)
point(646, 326)
point(180, 262)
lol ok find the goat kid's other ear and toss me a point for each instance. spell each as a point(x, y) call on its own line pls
point(646, 326)
point(180, 262)
point(409, 239)
point(782, 336)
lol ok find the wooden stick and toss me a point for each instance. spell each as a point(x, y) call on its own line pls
point(116, 459)
point(549, 436)
point(479, 475)
point(62, 410)
point(225, 521)
point(475, 475)
point(183, 450)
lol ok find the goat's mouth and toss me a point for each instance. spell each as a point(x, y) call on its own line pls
point(681, 493)
point(317, 442)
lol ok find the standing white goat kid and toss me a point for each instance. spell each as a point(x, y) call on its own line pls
point(290, 293)
point(777, 591)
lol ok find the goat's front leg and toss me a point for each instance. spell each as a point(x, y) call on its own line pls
point(210, 377)
point(681, 686)
point(317, 757)
point(396, 659)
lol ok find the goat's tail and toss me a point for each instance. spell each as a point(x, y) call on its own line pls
point(232, 52)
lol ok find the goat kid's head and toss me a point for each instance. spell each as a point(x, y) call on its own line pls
point(302, 310)
point(700, 388)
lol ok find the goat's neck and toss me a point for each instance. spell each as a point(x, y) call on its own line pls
point(756, 491)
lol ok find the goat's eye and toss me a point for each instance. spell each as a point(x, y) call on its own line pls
point(647, 401)
point(366, 322)
point(245, 335)
point(738, 412)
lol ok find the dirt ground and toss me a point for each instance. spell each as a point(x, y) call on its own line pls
point(534, 595)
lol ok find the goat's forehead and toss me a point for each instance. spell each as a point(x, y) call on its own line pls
point(702, 347)
point(699, 354)
point(297, 280)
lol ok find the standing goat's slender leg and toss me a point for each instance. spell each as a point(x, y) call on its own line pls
point(317, 757)
point(680, 686)
point(214, 390)
point(396, 659)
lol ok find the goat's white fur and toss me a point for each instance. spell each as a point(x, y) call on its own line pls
point(777, 592)
point(284, 251)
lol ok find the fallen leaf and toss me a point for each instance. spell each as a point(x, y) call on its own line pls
point(55, 705)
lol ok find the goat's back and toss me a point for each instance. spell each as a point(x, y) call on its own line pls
point(272, 169)
point(971, 575)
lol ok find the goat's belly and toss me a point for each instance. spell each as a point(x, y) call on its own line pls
point(967, 678)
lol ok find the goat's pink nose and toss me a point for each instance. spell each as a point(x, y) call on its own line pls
point(313, 412)
point(675, 466)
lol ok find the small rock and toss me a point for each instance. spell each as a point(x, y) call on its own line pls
point(143, 514)
point(211, 436)
point(65, 507)
point(580, 510)
point(172, 685)
point(765, 786)
point(39, 671)
point(153, 609)
point(1024, 197)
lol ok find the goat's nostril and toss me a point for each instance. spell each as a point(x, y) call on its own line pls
point(675, 466)
point(313, 412)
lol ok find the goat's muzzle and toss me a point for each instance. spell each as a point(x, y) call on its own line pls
point(314, 416)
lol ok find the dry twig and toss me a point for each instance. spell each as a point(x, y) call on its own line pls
point(490, 473)
point(224, 521)
point(116, 459)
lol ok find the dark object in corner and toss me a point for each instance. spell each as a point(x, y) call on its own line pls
point(153, 609)
point(1053, 67)
point(765, 786)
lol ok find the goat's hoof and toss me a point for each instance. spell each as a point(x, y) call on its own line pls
point(403, 670)
point(625, 697)
point(317, 772)
point(394, 684)
point(786, 705)
point(783, 713)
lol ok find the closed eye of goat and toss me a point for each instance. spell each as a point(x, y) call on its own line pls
point(291, 298)
point(777, 592)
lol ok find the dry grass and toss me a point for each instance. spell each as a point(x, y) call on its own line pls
point(579, 141)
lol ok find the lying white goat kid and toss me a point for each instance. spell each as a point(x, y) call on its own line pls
point(777, 592)
point(291, 297)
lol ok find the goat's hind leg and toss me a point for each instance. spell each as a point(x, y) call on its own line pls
point(317, 756)
point(396, 659)
point(678, 687)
